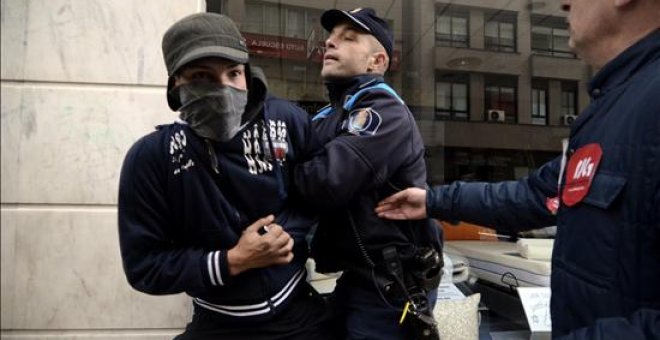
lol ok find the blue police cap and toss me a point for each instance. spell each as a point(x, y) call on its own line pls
point(364, 18)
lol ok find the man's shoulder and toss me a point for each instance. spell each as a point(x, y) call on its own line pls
point(279, 105)
point(382, 101)
point(376, 94)
point(165, 136)
point(286, 110)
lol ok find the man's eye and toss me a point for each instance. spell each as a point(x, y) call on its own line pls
point(235, 73)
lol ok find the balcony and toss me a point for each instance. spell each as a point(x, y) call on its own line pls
point(544, 66)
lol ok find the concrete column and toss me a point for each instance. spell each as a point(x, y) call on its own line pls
point(476, 97)
point(476, 28)
point(523, 31)
point(524, 47)
point(524, 98)
point(426, 46)
point(411, 56)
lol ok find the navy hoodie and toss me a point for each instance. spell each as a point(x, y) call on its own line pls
point(184, 202)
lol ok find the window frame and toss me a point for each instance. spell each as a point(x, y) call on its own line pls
point(555, 25)
point(569, 87)
point(452, 13)
point(540, 101)
point(499, 18)
point(452, 113)
point(501, 82)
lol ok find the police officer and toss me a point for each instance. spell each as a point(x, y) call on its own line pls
point(194, 193)
point(606, 258)
point(372, 148)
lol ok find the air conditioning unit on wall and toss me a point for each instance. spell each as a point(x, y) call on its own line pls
point(495, 115)
point(567, 120)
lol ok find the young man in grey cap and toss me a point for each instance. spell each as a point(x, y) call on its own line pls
point(372, 148)
point(205, 205)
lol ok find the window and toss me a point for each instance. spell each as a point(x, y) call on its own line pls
point(452, 28)
point(271, 19)
point(500, 31)
point(568, 98)
point(550, 36)
point(539, 102)
point(253, 22)
point(500, 94)
point(451, 96)
point(295, 23)
point(261, 18)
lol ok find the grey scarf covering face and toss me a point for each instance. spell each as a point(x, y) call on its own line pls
point(213, 111)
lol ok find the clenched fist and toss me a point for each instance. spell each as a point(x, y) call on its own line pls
point(255, 249)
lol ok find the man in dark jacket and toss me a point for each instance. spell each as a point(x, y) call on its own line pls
point(372, 148)
point(606, 258)
point(204, 203)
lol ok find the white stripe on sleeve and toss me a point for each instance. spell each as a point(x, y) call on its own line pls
point(218, 273)
point(209, 265)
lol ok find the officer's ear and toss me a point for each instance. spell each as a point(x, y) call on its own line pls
point(378, 62)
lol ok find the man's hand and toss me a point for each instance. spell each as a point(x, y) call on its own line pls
point(409, 204)
point(255, 249)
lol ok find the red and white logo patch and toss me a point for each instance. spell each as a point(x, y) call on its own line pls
point(580, 172)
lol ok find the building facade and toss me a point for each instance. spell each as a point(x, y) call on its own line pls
point(492, 84)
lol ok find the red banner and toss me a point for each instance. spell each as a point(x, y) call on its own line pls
point(271, 46)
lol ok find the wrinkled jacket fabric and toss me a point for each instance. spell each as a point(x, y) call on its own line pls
point(606, 257)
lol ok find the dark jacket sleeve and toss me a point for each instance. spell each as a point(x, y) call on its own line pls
point(641, 325)
point(153, 261)
point(507, 206)
point(355, 163)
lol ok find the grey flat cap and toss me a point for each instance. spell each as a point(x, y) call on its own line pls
point(202, 35)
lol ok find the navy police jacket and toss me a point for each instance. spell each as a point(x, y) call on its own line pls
point(184, 201)
point(372, 148)
point(606, 257)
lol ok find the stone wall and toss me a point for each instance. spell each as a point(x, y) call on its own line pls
point(81, 80)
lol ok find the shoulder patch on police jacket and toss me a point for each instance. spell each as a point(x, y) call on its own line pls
point(363, 122)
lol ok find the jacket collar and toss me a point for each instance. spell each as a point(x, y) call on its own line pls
point(340, 88)
point(625, 65)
